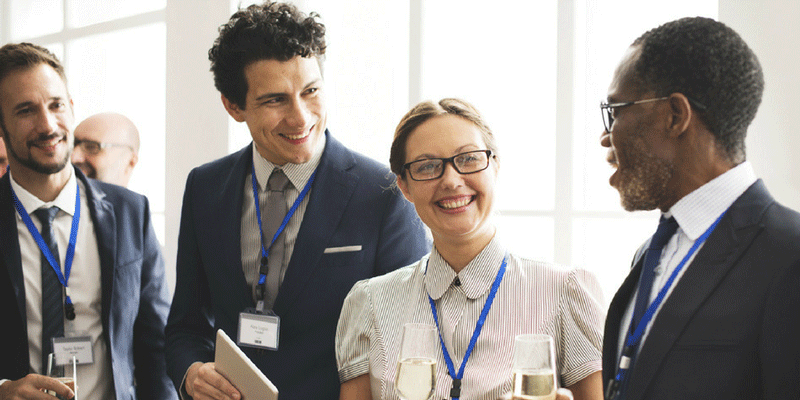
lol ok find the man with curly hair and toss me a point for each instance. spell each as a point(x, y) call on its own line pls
point(710, 307)
point(273, 237)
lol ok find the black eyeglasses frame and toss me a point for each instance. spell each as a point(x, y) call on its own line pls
point(445, 161)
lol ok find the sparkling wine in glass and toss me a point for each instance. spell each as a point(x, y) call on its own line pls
point(66, 374)
point(416, 370)
point(534, 370)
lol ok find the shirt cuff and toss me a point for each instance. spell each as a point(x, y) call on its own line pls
point(353, 371)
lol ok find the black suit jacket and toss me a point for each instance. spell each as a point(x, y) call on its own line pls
point(135, 298)
point(731, 327)
point(351, 203)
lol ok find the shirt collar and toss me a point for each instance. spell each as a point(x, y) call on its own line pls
point(65, 200)
point(476, 278)
point(298, 174)
point(699, 209)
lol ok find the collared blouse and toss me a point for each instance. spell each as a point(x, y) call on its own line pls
point(534, 297)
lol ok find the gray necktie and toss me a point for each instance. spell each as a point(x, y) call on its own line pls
point(52, 291)
point(271, 219)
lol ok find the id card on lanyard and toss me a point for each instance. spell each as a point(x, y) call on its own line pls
point(259, 328)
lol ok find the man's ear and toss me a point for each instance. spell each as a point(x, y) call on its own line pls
point(403, 185)
point(680, 114)
point(134, 160)
point(235, 112)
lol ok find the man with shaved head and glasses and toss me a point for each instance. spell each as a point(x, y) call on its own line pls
point(107, 148)
point(711, 307)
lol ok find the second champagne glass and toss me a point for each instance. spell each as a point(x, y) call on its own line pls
point(416, 370)
point(534, 370)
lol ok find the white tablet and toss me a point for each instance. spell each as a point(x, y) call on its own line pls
point(231, 362)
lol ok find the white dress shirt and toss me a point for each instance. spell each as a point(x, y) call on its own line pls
point(695, 213)
point(298, 175)
point(95, 381)
point(534, 297)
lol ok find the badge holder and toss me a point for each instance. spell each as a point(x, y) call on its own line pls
point(259, 328)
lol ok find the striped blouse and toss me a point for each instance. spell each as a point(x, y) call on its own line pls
point(534, 297)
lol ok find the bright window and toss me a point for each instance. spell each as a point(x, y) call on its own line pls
point(536, 70)
point(114, 53)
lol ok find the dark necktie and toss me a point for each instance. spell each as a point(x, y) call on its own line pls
point(52, 291)
point(666, 228)
point(273, 215)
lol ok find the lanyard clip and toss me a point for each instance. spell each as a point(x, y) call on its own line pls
point(455, 391)
point(613, 389)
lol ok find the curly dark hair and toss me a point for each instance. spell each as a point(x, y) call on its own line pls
point(269, 31)
point(20, 56)
point(425, 111)
point(709, 63)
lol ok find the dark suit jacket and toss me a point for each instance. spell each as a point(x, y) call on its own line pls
point(135, 297)
point(731, 327)
point(351, 203)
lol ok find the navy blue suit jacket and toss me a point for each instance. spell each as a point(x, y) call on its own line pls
point(731, 327)
point(135, 297)
point(351, 203)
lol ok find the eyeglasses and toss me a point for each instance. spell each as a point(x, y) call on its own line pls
point(93, 147)
point(464, 163)
point(607, 109)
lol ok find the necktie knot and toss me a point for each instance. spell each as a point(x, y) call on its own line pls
point(278, 181)
point(46, 215)
point(666, 228)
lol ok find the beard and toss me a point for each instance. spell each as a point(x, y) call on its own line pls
point(34, 165)
point(643, 180)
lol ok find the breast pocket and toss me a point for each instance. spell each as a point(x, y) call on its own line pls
point(343, 256)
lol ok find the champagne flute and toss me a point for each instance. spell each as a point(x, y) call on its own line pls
point(416, 370)
point(66, 374)
point(534, 371)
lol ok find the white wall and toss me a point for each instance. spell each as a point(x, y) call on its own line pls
point(770, 28)
point(197, 124)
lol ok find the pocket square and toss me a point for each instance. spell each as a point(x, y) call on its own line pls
point(342, 249)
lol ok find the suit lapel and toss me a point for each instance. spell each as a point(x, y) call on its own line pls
point(614, 317)
point(330, 194)
point(105, 227)
point(10, 248)
point(718, 255)
point(227, 208)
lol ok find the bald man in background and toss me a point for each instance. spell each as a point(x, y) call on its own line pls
point(3, 157)
point(107, 148)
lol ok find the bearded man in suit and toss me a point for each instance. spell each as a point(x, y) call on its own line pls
point(710, 308)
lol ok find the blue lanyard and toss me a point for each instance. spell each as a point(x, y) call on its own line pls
point(69, 308)
point(262, 278)
point(635, 335)
point(455, 391)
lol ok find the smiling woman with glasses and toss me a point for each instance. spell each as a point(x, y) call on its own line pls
point(476, 294)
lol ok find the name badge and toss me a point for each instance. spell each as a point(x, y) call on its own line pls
point(65, 348)
point(259, 330)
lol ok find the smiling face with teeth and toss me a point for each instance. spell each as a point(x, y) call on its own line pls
point(37, 120)
point(457, 208)
point(284, 108)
